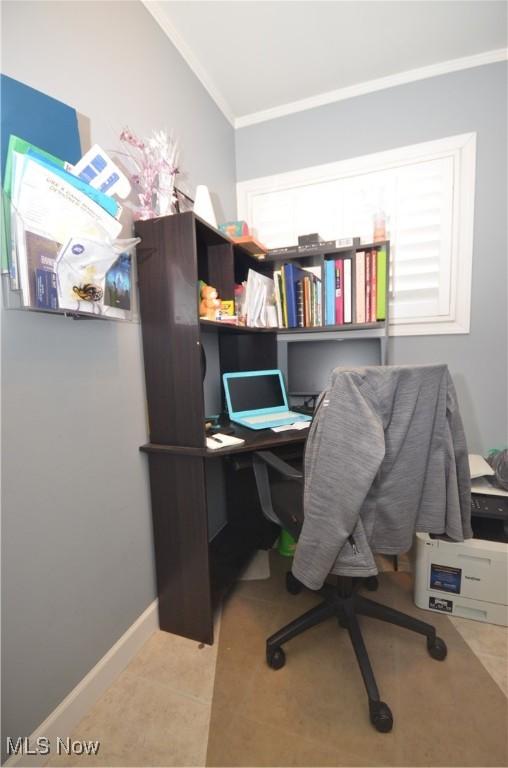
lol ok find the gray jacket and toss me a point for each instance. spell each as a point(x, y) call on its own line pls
point(386, 456)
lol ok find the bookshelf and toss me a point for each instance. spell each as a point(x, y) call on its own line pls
point(195, 564)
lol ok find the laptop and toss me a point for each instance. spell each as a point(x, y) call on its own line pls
point(258, 400)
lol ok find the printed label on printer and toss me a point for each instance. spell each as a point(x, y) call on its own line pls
point(445, 578)
point(440, 604)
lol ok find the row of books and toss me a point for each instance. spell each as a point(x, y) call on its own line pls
point(298, 296)
point(354, 291)
point(355, 288)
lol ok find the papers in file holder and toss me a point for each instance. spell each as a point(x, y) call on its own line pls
point(69, 273)
point(60, 237)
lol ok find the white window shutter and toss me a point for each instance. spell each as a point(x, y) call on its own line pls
point(427, 193)
point(420, 236)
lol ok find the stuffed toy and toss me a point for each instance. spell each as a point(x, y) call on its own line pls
point(210, 303)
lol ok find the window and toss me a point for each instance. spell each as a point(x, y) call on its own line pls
point(427, 194)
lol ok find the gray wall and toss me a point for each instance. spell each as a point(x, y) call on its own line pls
point(471, 100)
point(77, 542)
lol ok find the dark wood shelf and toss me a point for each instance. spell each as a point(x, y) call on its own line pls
point(255, 440)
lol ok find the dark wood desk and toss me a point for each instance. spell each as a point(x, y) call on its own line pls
point(193, 573)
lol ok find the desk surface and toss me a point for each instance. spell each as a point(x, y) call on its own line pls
point(255, 440)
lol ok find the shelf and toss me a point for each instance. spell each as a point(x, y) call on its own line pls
point(234, 328)
point(212, 236)
point(255, 440)
point(251, 246)
point(318, 333)
point(334, 332)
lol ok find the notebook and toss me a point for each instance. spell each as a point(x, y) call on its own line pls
point(258, 400)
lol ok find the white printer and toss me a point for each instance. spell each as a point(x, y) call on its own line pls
point(469, 578)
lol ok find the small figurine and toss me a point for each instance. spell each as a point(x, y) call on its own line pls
point(210, 303)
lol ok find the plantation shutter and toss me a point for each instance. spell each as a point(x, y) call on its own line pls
point(421, 242)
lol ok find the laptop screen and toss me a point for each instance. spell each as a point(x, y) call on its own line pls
point(251, 392)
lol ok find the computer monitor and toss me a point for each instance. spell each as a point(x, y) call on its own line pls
point(310, 365)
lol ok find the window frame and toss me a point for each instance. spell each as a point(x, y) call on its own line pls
point(462, 149)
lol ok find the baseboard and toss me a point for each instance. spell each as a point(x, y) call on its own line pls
point(63, 719)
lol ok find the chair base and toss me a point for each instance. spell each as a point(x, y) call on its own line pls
point(346, 604)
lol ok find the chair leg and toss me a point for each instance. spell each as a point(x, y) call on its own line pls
point(379, 712)
point(309, 619)
point(361, 653)
point(367, 607)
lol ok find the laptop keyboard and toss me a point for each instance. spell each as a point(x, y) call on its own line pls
point(288, 416)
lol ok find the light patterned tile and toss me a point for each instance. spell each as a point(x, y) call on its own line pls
point(139, 722)
point(183, 665)
point(481, 637)
point(497, 667)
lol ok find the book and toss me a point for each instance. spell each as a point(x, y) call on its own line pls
point(373, 290)
point(367, 287)
point(348, 291)
point(330, 289)
point(278, 298)
point(316, 277)
point(309, 247)
point(307, 282)
point(359, 294)
point(39, 279)
point(339, 291)
point(283, 296)
point(292, 274)
point(287, 250)
point(381, 285)
point(300, 304)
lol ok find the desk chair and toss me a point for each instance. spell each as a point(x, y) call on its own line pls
point(280, 488)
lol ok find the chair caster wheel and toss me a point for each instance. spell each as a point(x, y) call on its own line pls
point(380, 716)
point(437, 648)
point(293, 586)
point(371, 583)
point(275, 657)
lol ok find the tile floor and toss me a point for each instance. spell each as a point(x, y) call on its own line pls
point(157, 713)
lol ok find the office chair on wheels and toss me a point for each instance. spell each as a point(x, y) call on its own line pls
point(378, 434)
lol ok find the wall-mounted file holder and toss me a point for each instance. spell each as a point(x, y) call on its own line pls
point(83, 277)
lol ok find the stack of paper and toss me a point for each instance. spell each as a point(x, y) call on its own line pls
point(260, 301)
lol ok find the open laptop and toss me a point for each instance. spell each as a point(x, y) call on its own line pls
point(258, 400)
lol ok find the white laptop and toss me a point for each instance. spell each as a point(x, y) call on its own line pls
point(258, 400)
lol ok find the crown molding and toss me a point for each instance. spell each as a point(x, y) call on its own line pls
point(155, 9)
point(369, 86)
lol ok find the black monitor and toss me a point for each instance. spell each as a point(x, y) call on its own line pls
point(310, 365)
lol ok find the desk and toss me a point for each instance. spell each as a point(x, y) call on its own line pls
point(193, 573)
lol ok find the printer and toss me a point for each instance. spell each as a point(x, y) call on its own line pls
point(469, 578)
